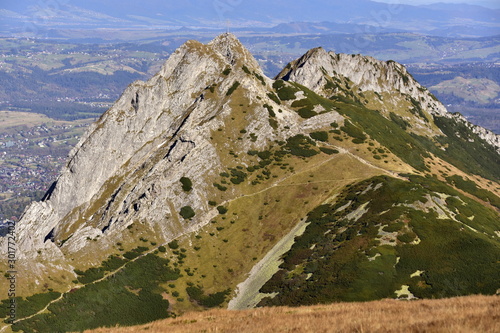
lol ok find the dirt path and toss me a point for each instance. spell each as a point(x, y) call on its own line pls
point(248, 291)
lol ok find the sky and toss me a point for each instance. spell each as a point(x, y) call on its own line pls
point(485, 3)
point(174, 14)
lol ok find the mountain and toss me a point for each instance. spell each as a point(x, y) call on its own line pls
point(342, 179)
point(361, 16)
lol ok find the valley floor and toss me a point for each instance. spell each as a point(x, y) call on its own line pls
point(461, 314)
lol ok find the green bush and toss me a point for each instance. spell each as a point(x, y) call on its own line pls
point(265, 155)
point(237, 176)
point(187, 212)
point(233, 88)
point(91, 275)
point(407, 237)
point(173, 245)
point(278, 84)
point(270, 110)
point(210, 301)
point(273, 123)
point(358, 141)
point(306, 113)
point(321, 136)
point(399, 121)
point(260, 78)
point(220, 187)
point(274, 98)
point(285, 91)
point(187, 185)
point(329, 151)
point(134, 253)
point(353, 131)
point(300, 145)
point(222, 209)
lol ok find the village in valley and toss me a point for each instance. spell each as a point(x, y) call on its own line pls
point(31, 156)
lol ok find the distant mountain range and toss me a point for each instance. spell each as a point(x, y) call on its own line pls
point(358, 16)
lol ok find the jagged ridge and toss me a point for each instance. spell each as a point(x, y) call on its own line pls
point(226, 162)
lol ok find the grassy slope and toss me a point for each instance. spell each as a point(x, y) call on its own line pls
point(260, 211)
point(463, 314)
point(386, 233)
point(271, 199)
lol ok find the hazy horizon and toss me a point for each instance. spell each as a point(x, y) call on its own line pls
point(484, 3)
point(38, 17)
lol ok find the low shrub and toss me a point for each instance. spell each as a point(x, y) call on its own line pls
point(187, 185)
point(320, 136)
point(235, 86)
point(197, 294)
point(329, 151)
point(222, 210)
point(187, 212)
point(354, 131)
point(174, 245)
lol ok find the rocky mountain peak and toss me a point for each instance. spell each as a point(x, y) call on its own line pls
point(153, 128)
point(310, 62)
point(214, 155)
point(228, 46)
point(149, 118)
point(363, 73)
point(333, 74)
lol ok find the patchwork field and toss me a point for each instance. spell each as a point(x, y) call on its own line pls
point(10, 119)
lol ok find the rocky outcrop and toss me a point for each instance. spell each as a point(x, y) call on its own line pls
point(126, 168)
point(485, 134)
point(317, 68)
point(366, 73)
point(206, 103)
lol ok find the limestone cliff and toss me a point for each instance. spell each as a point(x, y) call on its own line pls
point(211, 152)
point(126, 168)
point(330, 74)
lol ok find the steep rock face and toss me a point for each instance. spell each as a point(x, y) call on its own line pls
point(366, 73)
point(149, 118)
point(126, 169)
point(211, 170)
point(328, 73)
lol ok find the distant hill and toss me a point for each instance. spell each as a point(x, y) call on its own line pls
point(359, 15)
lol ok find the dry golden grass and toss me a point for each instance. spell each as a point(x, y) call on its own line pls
point(461, 314)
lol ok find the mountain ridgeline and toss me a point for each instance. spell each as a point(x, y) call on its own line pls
point(209, 185)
